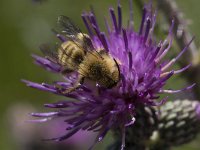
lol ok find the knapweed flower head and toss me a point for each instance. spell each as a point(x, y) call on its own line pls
point(143, 73)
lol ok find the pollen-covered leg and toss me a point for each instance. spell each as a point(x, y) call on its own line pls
point(76, 86)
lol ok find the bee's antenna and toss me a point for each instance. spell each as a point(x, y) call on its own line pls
point(117, 65)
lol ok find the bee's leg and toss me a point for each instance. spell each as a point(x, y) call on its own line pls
point(58, 87)
point(76, 86)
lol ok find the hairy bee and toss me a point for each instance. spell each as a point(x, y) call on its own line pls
point(78, 54)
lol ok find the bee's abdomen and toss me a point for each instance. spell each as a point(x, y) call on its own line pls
point(70, 55)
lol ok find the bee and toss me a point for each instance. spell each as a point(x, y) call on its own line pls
point(78, 54)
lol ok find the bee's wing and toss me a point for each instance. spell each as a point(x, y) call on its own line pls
point(67, 28)
point(50, 52)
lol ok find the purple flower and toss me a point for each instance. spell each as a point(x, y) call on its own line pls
point(143, 75)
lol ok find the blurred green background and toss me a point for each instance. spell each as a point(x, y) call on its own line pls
point(24, 25)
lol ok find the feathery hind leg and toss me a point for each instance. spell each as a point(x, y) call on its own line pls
point(76, 86)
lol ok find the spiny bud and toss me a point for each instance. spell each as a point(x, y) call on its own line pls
point(179, 123)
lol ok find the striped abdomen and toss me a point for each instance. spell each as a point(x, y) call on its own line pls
point(70, 55)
